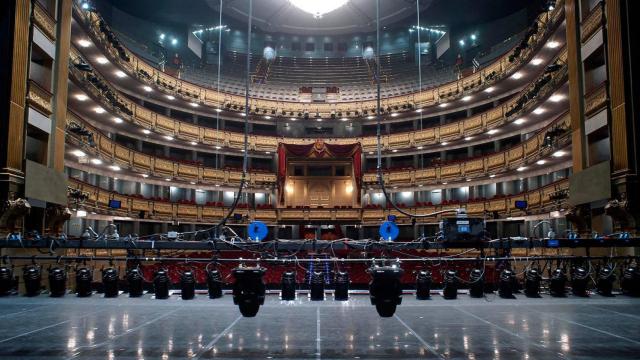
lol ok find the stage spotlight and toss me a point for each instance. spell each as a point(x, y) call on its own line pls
point(57, 282)
point(135, 282)
point(161, 284)
point(630, 282)
point(288, 286)
point(505, 287)
point(557, 283)
point(423, 285)
point(579, 279)
point(248, 289)
point(342, 286)
point(450, 291)
point(476, 283)
point(110, 282)
point(187, 285)
point(385, 288)
point(32, 276)
point(316, 292)
point(606, 278)
point(6, 280)
point(214, 284)
point(532, 283)
point(84, 276)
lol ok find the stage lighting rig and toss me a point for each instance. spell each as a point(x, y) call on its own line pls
point(248, 289)
point(110, 282)
point(135, 282)
point(6, 280)
point(532, 279)
point(557, 283)
point(84, 276)
point(606, 278)
point(288, 286)
point(342, 286)
point(161, 284)
point(385, 288)
point(32, 276)
point(450, 291)
point(57, 282)
point(630, 282)
point(214, 284)
point(505, 288)
point(316, 292)
point(423, 285)
point(187, 285)
point(476, 283)
point(579, 280)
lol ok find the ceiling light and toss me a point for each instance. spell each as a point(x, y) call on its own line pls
point(466, 98)
point(318, 8)
point(492, 175)
point(559, 153)
point(145, 175)
point(468, 138)
point(444, 143)
point(538, 111)
point(293, 119)
point(492, 131)
point(268, 152)
point(147, 88)
point(98, 110)
point(556, 98)
point(96, 161)
point(319, 120)
point(146, 131)
point(218, 110)
point(117, 120)
point(370, 152)
point(167, 179)
point(218, 147)
point(81, 213)
point(420, 147)
point(114, 167)
point(394, 150)
point(419, 110)
point(468, 180)
point(84, 43)
point(519, 121)
point(345, 119)
point(120, 74)
point(443, 105)
point(170, 138)
point(242, 114)
point(521, 168)
point(102, 60)
point(171, 97)
point(370, 117)
point(444, 183)
point(541, 162)
point(489, 89)
point(82, 97)
point(553, 44)
point(268, 117)
point(217, 185)
point(516, 76)
point(192, 182)
point(536, 61)
point(394, 114)
point(79, 153)
point(193, 104)
point(193, 143)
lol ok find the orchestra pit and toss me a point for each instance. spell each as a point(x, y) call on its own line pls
point(335, 179)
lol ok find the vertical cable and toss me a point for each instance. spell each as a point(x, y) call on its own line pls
point(378, 119)
point(419, 72)
point(218, 81)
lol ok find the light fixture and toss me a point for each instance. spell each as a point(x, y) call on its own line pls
point(96, 161)
point(79, 153)
point(541, 162)
point(120, 74)
point(370, 117)
point(468, 180)
point(193, 143)
point(115, 167)
point(492, 176)
point(102, 60)
point(468, 138)
point(268, 152)
point(461, 42)
point(318, 8)
point(536, 61)
point(168, 137)
point(444, 183)
point(146, 131)
point(419, 110)
point(192, 182)
point(171, 97)
point(117, 120)
point(466, 98)
point(218, 110)
point(144, 175)
point(319, 120)
point(293, 119)
point(167, 179)
point(194, 104)
point(84, 43)
point(344, 119)
point(81, 213)
point(82, 97)
point(553, 44)
point(218, 147)
point(489, 89)
point(517, 76)
point(98, 110)
point(519, 121)
point(492, 131)
point(556, 98)
point(147, 88)
point(521, 168)
point(174, 41)
point(538, 111)
point(394, 150)
point(444, 143)
point(420, 147)
point(443, 105)
point(559, 153)
point(370, 152)
point(394, 114)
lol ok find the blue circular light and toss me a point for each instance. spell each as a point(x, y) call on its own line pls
point(389, 231)
point(258, 231)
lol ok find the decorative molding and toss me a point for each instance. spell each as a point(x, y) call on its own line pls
point(591, 24)
point(44, 21)
point(39, 98)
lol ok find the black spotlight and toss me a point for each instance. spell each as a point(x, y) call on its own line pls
point(6, 280)
point(385, 288)
point(557, 283)
point(606, 278)
point(505, 287)
point(450, 291)
point(187, 285)
point(316, 292)
point(84, 276)
point(630, 282)
point(248, 289)
point(476, 283)
point(579, 280)
point(57, 282)
point(110, 282)
point(161, 284)
point(288, 283)
point(214, 284)
point(342, 286)
point(32, 275)
point(423, 285)
point(135, 282)
point(532, 282)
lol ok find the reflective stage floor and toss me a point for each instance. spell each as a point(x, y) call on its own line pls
point(491, 328)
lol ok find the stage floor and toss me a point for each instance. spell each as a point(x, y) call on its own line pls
point(491, 328)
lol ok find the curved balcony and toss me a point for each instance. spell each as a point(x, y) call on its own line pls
point(541, 200)
point(136, 67)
